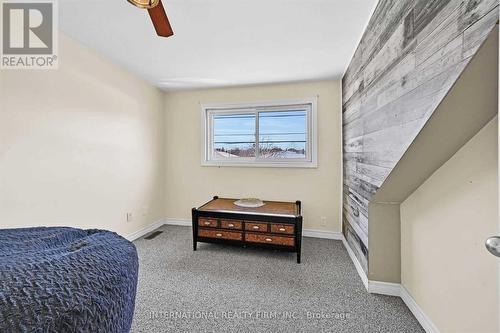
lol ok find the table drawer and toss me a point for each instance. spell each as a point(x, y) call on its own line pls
point(256, 226)
point(270, 239)
point(232, 235)
point(231, 224)
point(283, 229)
point(208, 222)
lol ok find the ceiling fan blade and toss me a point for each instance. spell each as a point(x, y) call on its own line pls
point(160, 21)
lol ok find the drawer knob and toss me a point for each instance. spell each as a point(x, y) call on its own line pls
point(218, 235)
point(230, 225)
point(207, 223)
point(256, 227)
point(269, 239)
point(282, 229)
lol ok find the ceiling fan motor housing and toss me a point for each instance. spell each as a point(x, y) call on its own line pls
point(157, 14)
point(146, 4)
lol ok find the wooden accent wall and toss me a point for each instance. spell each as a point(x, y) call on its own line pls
point(408, 59)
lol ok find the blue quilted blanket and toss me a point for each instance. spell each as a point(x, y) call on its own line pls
point(66, 280)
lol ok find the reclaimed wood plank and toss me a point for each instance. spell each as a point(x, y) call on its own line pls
point(388, 56)
point(446, 32)
point(475, 10)
point(353, 130)
point(356, 245)
point(365, 189)
point(372, 158)
point(407, 80)
point(386, 19)
point(476, 33)
point(356, 225)
point(415, 103)
point(392, 141)
point(360, 200)
point(451, 54)
point(351, 113)
point(354, 145)
point(430, 14)
point(380, 92)
point(375, 172)
point(359, 217)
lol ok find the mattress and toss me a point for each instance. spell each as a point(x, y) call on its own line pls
point(66, 280)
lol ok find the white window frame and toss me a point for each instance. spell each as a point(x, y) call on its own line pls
point(209, 110)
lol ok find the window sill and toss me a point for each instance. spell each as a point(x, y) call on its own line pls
point(292, 165)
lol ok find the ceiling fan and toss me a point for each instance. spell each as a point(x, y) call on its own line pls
point(157, 14)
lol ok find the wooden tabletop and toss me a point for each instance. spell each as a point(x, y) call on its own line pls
point(270, 208)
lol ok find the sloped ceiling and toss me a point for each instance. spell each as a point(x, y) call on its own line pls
point(471, 103)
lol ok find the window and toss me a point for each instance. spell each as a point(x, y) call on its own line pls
point(277, 134)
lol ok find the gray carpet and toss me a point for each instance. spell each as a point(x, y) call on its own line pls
point(230, 289)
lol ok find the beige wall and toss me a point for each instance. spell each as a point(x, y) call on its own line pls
point(444, 223)
point(85, 144)
point(384, 262)
point(188, 184)
point(80, 146)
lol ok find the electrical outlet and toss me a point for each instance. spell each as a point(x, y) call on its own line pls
point(323, 221)
point(129, 217)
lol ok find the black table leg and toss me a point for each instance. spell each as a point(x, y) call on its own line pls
point(195, 228)
point(298, 237)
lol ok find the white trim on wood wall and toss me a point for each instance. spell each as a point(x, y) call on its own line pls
point(356, 263)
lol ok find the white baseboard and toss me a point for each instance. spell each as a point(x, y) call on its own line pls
point(322, 234)
point(182, 222)
point(357, 264)
point(392, 289)
point(422, 318)
point(384, 288)
point(373, 287)
point(306, 232)
point(138, 234)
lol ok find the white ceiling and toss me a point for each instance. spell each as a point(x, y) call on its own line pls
point(223, 42)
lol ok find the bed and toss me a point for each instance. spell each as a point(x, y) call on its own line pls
point(66, 280)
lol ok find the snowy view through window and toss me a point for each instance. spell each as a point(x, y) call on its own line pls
point(281, 135)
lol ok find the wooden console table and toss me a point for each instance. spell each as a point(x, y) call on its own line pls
point(276, 225)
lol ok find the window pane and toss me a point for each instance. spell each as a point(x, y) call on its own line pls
point(283, 134)
point(234, 135)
